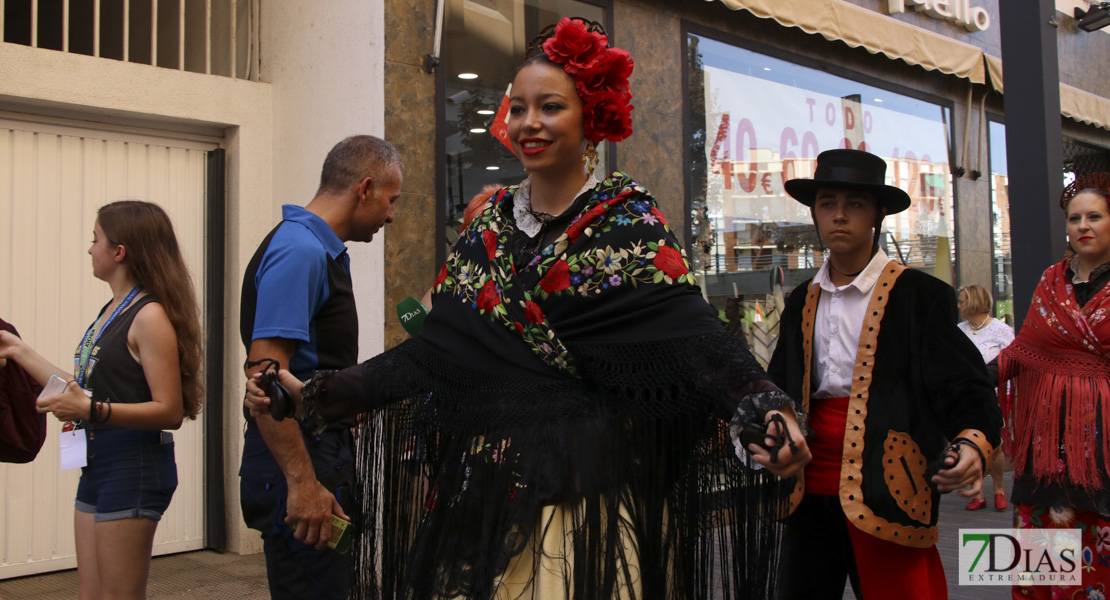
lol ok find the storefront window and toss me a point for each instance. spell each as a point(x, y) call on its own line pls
point(483, 44)
point(757, 121)
point(1000, 226)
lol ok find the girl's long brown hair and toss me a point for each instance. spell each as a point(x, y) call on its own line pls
point(154, 261)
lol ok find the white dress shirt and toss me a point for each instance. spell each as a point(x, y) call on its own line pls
point(840, 314)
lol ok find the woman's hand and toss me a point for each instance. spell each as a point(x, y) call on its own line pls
point(790, 460)
point(70, 405)
point(258, 403)
point(964, 473)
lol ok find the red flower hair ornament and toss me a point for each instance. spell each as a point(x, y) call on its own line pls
point(600, 75)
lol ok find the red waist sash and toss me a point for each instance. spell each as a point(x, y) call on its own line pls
point(827, 418)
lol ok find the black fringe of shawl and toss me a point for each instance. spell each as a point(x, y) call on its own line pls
point(457, 471)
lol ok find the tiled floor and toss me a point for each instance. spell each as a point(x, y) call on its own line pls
point(216, 576)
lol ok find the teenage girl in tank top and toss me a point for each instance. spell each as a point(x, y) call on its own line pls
point(136, 373)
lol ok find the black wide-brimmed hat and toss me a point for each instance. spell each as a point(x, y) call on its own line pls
point(850, 169)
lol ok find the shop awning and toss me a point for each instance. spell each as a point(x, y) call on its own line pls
point(879, 34)
point(1075, 103)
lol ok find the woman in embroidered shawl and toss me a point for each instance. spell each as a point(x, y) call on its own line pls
point(556, 428)
point(1060, 368)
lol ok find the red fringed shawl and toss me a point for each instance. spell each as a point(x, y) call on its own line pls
point(1060, 368)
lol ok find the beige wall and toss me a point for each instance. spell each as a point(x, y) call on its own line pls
point(43, 82)
point(326, 86)
point(322, 68)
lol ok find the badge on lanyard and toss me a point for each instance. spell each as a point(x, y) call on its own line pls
point(71, 441)
point(73, 449)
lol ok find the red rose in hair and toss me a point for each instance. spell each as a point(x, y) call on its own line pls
point(442, 275)
point(608, 116)
point(659, 215)
point(670, 262)
point(574, 46)
point(557, 279)
point(533, 311)
point(610, 72)
point(490, 238)
point(487, 296)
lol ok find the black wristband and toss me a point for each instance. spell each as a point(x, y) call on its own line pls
point(967, 442)
point(92, 410)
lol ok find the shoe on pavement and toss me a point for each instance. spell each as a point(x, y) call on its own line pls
point(1000, 501)
point(976, 504)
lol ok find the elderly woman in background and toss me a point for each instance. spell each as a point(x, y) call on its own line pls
point(1059, 407)
point(990, 336)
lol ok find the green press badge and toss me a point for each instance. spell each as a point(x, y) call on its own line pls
point(341, 533)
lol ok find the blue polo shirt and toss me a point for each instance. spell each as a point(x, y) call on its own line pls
point(298, 287)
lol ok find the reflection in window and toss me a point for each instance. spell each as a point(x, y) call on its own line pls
point(759, 121)
point(484, 43)
point(1000, 226)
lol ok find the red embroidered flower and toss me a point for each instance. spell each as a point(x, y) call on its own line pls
point(557, 279)
point(608, 116)
point(609, 73)
point(519, 327)
point(574, 46)
point(670, 262)
point(442, 275)
point(490, 239)
point(659, 215)
point(487, 296)
point(576, 228)
point(533, 311)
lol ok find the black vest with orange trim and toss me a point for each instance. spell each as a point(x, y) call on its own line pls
point(918, 381)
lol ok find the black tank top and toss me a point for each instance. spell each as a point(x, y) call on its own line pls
point(113, 373)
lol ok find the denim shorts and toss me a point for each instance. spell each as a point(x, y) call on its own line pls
point(130, 474)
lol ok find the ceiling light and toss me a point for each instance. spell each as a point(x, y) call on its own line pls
point(477, 130)
point(766, 68)
point(493, 168)
point(468, 75)
point(485, 111)
point(878, 99)
point(1094, 19)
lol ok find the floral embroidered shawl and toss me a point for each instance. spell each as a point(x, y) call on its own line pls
point(1060, 401)
point(585, 374)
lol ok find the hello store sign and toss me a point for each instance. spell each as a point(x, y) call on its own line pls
point(960, 12)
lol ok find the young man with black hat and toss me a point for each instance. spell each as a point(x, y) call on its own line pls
point(872, 350)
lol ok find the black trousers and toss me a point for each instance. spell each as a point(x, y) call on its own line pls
point(817, 553)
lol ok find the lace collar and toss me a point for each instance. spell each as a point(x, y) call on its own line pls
point(522, 204)
point(1073, 265)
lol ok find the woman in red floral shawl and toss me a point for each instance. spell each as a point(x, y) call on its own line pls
point(1059, 410)
point(555, 428)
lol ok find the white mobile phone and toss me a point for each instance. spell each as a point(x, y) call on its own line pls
point(55, 386)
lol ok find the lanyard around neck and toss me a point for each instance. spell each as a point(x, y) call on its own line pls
point(91, 340)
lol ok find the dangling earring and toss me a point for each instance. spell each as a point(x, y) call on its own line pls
point(590, 157)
